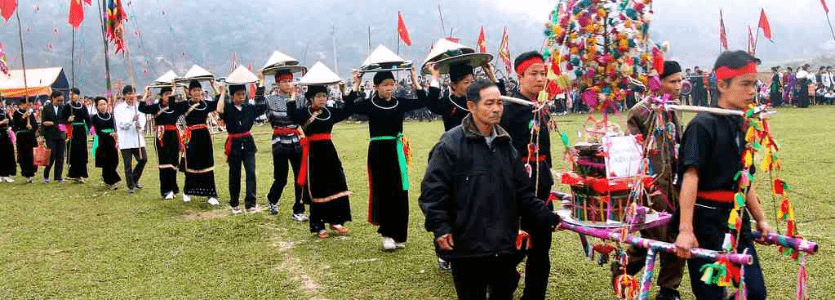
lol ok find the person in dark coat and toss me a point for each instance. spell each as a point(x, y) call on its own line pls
point(167, 141)
point(473, 193)
point(776, 90)
point(7, 158)
point(105, 151)
point(54, 134)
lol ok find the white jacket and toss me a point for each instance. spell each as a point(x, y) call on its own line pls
point(127, 118)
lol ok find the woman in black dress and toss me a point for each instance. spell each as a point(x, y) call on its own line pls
point(105, 153)
point(388, 170)
point(78, 118)
point(321, 174)
point(199, 157)
point(167, 140)
point(24, 125)
point(7, 161)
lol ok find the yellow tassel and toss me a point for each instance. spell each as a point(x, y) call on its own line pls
point(748, 159)
point(734, 218)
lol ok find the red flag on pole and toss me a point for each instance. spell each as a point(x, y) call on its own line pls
point(751, 49)
point(723, 38)
point(764, 25)
point(76, 13)
point(452, 39)
point(504, 52)
point(88, 2)
point(7, 8)
point(482, 41)
point(401, 29)
point(825, 8)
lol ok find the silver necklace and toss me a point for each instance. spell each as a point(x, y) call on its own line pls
point(456, 104)
point(102, 118)
point(386, 108)
point(316, 117)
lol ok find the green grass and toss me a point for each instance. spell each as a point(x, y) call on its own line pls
point(80, 241)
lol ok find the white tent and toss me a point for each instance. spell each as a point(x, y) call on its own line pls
point(39, 82)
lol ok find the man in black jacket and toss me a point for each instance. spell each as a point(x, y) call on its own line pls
point(473, 193)
point(54, 136)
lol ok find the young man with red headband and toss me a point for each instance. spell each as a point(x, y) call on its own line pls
point(536, 155)
point(286, 149)
point(710, 158)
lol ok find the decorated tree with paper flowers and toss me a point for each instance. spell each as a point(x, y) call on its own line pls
point(599, 47)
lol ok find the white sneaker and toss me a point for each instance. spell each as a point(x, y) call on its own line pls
point(169, 196)
point(186, 198)
point(236, 210)
point(8, 179)
point(389, 244)
point(299, 217)
point(213, 201)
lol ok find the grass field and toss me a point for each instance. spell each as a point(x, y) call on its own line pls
point(81, 241)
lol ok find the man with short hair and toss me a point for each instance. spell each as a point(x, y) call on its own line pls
point(475, 181)
point(643, 120)
point(530, 67)
point(130, 123)
point(54, 134)
point(710, 160)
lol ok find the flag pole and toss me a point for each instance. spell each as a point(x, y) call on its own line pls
point(22, 57)
point(397, 32)
point(830, 27)
point(72, 57)
point(369, 40)
point(108, 85)
point(443, 28)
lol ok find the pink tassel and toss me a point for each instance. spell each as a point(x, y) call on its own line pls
point(802, 278)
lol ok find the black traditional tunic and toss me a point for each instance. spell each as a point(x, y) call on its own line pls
point(451, 108)
point(517, 119)
point(104, 148)
point(25, 129)
point(325, 185)
point(7, 161)
point(388, 171)
point(77, 145)
point(167, 144)
point(199, 156)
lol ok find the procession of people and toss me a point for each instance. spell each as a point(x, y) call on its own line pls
point(486, 193)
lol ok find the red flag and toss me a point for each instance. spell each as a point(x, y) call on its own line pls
point(482, 41)
point(723, 38)
point(751, 49)
point(7, 8)
point(764, 25)
point(76, 13)
point(402, 30)
point(88, 2)
point(451, 39)
point(825, 8)
point(504, 52)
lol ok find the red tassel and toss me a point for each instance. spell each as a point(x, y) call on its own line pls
point(778, 186)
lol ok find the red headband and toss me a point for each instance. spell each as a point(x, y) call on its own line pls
point(524, 65)
point(723, 72)
point(288, 76)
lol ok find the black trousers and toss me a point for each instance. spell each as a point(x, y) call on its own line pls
point(282, 161)
point(538, 264)
point(56, 159)
point(235, 162)
point(474, 276)
point(132, 174)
